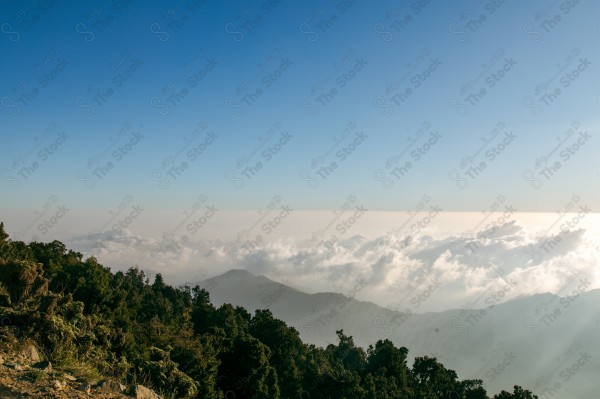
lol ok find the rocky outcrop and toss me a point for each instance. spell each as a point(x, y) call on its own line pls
point(141, 392)
point(30, 354)
point(24, 374)
point(109, 386)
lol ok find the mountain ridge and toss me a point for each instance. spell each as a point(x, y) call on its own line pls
point(247, 273)
point(527, 326)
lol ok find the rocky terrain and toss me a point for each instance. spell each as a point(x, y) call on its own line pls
point(25, 374)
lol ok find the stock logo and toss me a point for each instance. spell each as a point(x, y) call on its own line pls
point(548, 165)
point(324, 165)
point(401, 164)
point(399, 92)
point(328, 88)
point(248, 167)
point(474, 91)
point(474, 165)
point(27, 91)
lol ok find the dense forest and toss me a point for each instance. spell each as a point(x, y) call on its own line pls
point(174, 340)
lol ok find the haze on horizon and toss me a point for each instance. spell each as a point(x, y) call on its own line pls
point(516, 253)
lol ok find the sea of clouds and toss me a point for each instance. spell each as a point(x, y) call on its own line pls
point(408, 271)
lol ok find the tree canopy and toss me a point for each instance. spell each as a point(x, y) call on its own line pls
point(177, 342)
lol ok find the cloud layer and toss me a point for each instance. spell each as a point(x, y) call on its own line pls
point(409, 272)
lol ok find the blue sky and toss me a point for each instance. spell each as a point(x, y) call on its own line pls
point(176, 83)
point(330, 141)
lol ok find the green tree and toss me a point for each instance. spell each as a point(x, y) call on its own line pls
point(202, 310)
point(473, 389)
point(353, 358)
point(433, 380)
point(3, 234)
point(233, 320)
point(387, 370)
point(177, 342)
point(518, 393)
point(287, 350)
point(329, 380)
point(11, 250)
point(245, 371)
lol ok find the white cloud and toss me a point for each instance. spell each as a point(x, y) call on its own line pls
point(420, 272)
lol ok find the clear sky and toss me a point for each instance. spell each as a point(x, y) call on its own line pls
point(312, 100)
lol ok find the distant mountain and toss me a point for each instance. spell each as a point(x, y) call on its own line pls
point(545, 343)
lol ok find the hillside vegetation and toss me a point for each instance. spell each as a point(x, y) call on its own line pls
point(124, 327)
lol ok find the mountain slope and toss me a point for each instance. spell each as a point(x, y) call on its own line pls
point(543, 342)
point(90, 322)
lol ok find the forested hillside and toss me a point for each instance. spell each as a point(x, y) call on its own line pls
point(123, 326)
